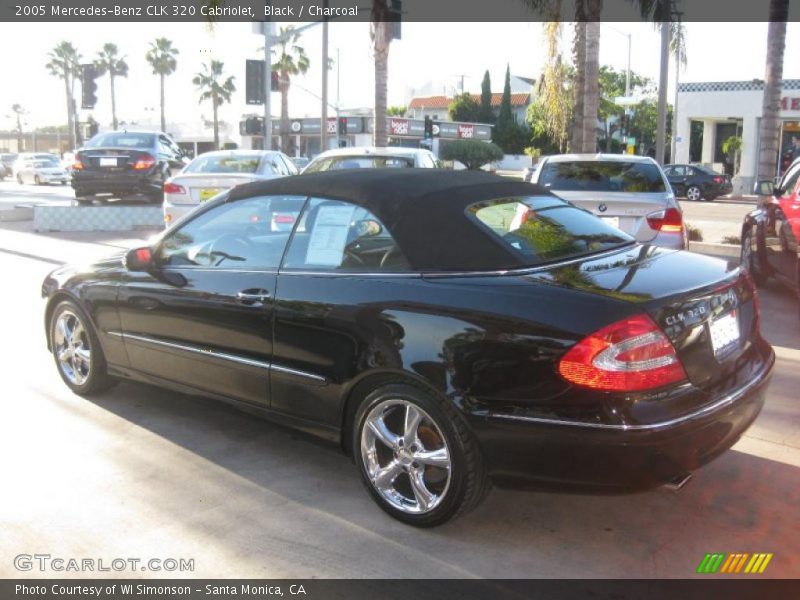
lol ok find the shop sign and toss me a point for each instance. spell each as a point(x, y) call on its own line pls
point(789, 103)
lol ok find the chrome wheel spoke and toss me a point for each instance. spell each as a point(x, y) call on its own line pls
point(435, 458)
point(83, 355)
point(412, 421)
point(424, 496)
point(77, 331)
point(385, 476)
point(387, 437)
point(65, 354)
point(63, 330)
point(71, 348)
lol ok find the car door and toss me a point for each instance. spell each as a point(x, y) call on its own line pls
point(203, 316)
point(676, 175)
point(782, 232)
point(340, 273)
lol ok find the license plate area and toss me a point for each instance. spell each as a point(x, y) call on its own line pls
point(725, 334)
point(208, 193)
point(108, 161)
point(613, 221)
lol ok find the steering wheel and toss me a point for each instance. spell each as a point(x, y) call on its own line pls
point(229, 247)
point(387, 254)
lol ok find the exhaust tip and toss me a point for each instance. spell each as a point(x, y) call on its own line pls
point(679, 481)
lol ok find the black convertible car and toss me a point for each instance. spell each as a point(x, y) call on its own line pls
point(446, 329)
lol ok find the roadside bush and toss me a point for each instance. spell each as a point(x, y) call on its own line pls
point(693, 233)
point(473, 154)
point(732, 239)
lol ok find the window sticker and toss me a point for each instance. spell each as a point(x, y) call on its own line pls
point(329, 235)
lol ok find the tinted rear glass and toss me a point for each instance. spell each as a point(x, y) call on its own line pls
point(122, 140)
point(236, 163)
point(602, 176)
point(337, 163)
point(540, 229)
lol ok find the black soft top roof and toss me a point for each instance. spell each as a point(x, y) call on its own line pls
point(423, 209)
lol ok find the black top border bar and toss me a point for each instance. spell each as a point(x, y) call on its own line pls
point(463, 11)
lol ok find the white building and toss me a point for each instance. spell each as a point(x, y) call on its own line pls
point(725, 108)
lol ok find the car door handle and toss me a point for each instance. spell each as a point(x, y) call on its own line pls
point(252, 297)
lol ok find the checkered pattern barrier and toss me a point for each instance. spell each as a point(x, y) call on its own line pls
point(97, 218)
point(734, 86)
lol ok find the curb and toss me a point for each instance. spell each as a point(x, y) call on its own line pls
point(721, 250)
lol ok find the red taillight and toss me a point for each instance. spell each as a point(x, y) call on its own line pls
point(144, 162)
point(718, 179)
point(77, 165)
point(173, 188)
point(631, 355)
point(669, 220)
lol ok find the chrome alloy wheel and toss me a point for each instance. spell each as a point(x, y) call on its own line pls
point(693, 193)
point(406, 456)
point(72, 348)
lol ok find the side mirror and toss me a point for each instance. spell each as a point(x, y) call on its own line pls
point(764, 187)
point(139, 259)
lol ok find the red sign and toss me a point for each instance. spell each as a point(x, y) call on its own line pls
point(398, 126)
point(466, 131)
point(788, 103)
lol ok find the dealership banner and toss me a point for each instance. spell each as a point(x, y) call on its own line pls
point(351, 589)
point(362, 10)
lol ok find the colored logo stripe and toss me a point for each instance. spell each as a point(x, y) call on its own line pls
point(734, 563)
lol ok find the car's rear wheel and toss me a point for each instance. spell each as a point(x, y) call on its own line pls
point(750, 259)
point(416, 456)
point(19, 178)
point(693, 193)
point(84, 200)
point(77, 350)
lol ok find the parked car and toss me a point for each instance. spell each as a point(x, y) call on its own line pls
point(6, 165)
point(300, 161)
point(628, 192)
point(409, 321)
point(125, 163)
point(373, 158)
point(215, 172)
point(696, 182)
point(24, 158)
point(770, 234)
point(42, 170)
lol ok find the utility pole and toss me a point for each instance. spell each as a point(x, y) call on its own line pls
point(661, 132)
point(338, 105)
point(268, 84)
point(323, 128)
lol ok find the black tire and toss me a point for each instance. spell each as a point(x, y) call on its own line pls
point(694, 193)
point(750, 259)
point(19, 179)
point(94, 377)
point(467, 484)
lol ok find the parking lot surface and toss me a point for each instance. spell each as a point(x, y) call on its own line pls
point(142, 472)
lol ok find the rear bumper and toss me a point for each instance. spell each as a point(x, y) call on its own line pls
point(173, 212)
point(547, 454)
point(148, 182)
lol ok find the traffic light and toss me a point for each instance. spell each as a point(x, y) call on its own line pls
point(342, 128)
point(254, 82)
point(251, 126)
point(88, 85)
point(428, 128)
point(395, 16)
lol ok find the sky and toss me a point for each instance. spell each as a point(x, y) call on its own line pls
point(438, 52)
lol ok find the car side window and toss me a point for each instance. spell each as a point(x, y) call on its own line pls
point(790, 180)
point(290, 166)
point(342, 237)
point(245, 234)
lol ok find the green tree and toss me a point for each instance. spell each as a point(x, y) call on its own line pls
point(213, 86)
point(473, 154)
point(508, 134)
point(109, 61)
point(396, 111)
point(65, 63)
point(161, 57)
point(551, 112)
point(612, 85)
point(486, 114)
point(291, 60)
point(464, 107)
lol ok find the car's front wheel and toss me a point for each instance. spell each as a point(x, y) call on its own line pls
point(77, 350)
point(694, 193)
point(416, 456)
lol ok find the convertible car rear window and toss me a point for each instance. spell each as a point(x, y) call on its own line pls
point(545, 229)
point(602, 176)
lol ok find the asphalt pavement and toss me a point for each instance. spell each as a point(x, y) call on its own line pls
point(143, 472)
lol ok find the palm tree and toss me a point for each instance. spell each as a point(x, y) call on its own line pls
point(291, 60)
point(65, 63)
point(381, 33)
point(109, 61)
point(161, 57)
point(591, 90)
point(212, 87)
point(773, 82)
